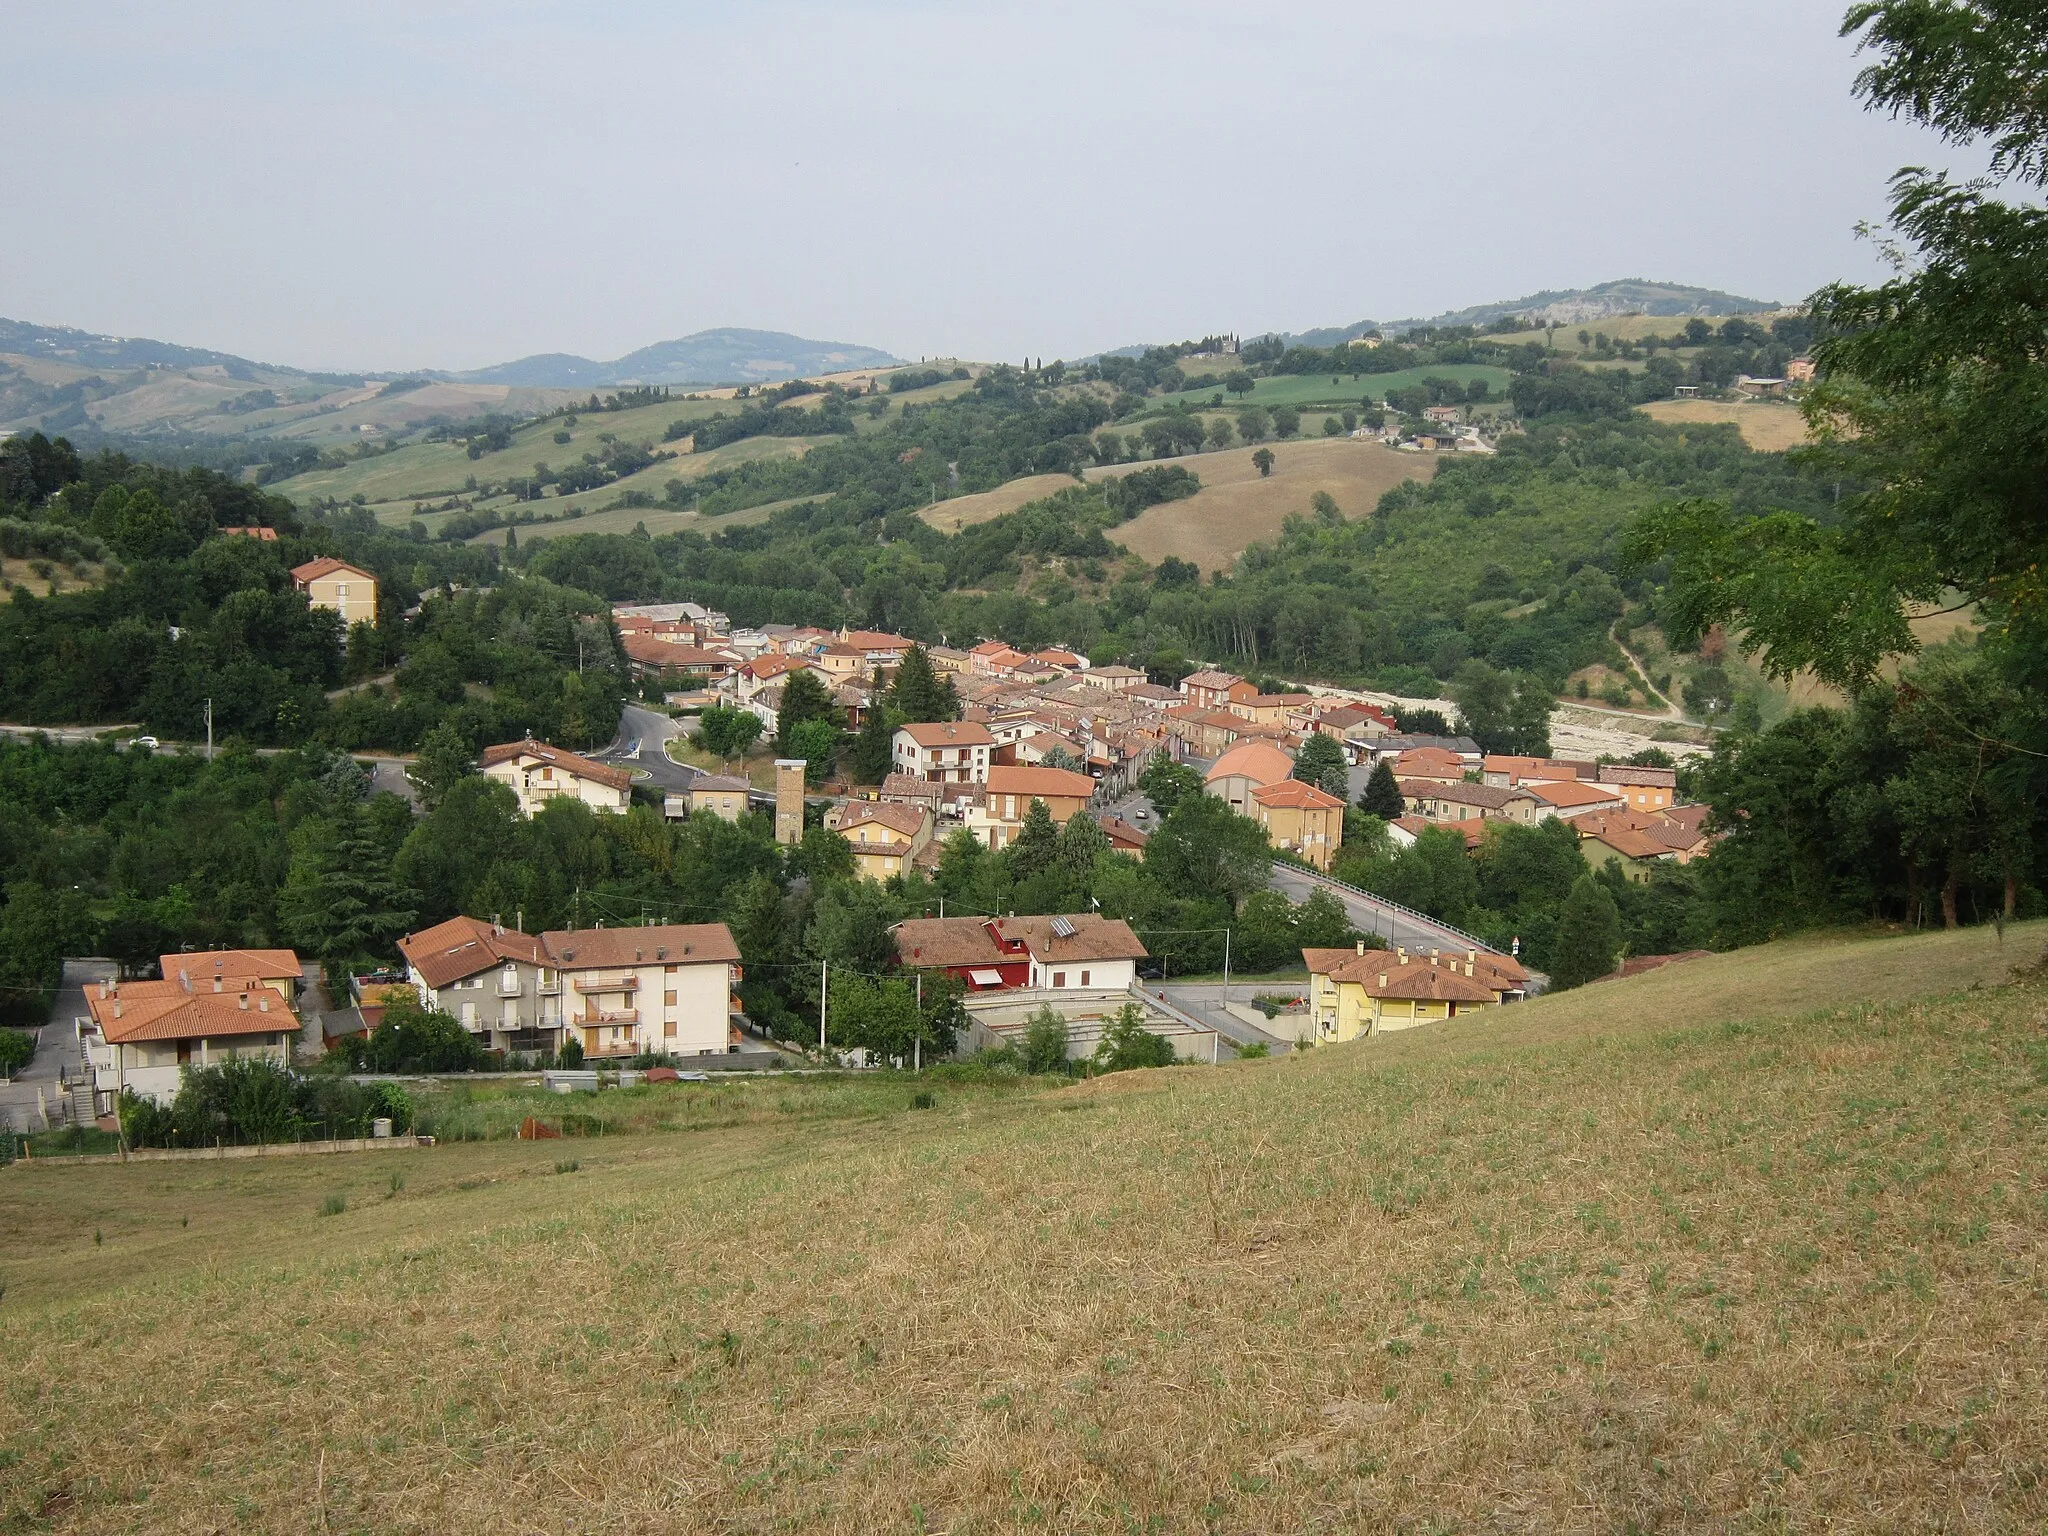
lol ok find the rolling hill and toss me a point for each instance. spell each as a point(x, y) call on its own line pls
point(1564, 306)
point(706, 357)
point(1752, 1242)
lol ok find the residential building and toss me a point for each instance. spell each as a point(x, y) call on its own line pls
point(886, 836)
point(1248, 766)
point(1302, 819)
point(1060, 660)
point(1082, 951)
point(1215, 690)
point(1430, 763)
point(1123, 837)
point(948, 662)
point(877, 648)
point(721, 794)
point(537, 773)
point(143, 1035)
point(1573, 798)
point(1642, 789)
point(254, 531)
point(624, 991)
point(1008, 794)
point(1266, 708)
point(1362, 992)
point(840, 663)
point(1799, 370)
point(1608, 842)
point(655, 656)
point(348, 589)
point(1507, 772)
point(992, 658)
point(944, 751)
point(1434, 800)
point(1113, 679)
point(228, 970)
point(492, 979)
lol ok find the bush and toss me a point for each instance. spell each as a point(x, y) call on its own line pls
point(17, 1049)
point(333, 1205)
point(1045, 1043)
point(1126, 1043)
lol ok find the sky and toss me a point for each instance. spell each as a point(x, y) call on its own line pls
point(389, 186)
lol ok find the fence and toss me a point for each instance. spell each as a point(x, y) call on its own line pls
point(1423, 919)
point(223, 1153)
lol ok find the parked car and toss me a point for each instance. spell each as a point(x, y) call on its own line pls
point(148, 741)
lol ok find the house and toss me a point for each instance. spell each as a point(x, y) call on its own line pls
point(877, 648)
point(1389, 749)
point(722, 794)
point(142, 1035)
point(1504, 771)
point(1435, 763)
point(491, 978)
point(840, 663)
point(537, 773)
point(1266, 708)
point(765, 671)
point(228, 970)
point(886, 836)
point(1442, 414)
point(1436, 801)
point(1608, 842)
point(1768, 389)
point(992, 658)
point(947, 662)
point(1799, 370)
point(627, 991)
point(1358, 992)
point(911, 789)
point(1572, 798)
point(1302, 819)
point(1123, 837)
point(348, 589)
point(1207, 732)
point(1684, 828)
point(945, 751)
point(1685, 392)
point(251, 531)
point(1405, 829)
point(1643, 789)
point(1354, 725)
point(1245, 767)
point(1113, 679)
point(653, 656)
point(1214, 690)
point(1007, 798)
point(1059, 660)
point(1066, 953)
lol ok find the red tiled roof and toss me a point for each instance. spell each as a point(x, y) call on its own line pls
point(1295, 795)
point(949, 733)
point(205, 966)
point(606, 949)
point(1256, 759)
point(1044, 783)
point(164, 1010)
point(557, 757)
point(1570, 793)
point(326, 565)
point(1094, 937)
point(463, 946)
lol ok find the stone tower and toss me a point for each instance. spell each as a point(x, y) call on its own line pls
point(789, 799)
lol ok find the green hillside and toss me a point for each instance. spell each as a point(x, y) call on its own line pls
point(1316, 389)
point(1679, 1249)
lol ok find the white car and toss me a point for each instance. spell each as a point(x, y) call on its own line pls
point(148, 741)
point(1141, 814)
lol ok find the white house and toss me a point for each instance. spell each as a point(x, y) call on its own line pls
point(491, 978)
point(945, 751)
point(142, 1035)
point(622, 991)
point(537, 773)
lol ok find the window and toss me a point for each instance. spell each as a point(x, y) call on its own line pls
point(669, 1029)
point(1059, 978)
point(669, 998)
point(1084, 978)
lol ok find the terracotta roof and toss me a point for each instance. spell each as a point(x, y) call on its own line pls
point(205, 966)
point(1121, 833)
point(907, 819)
point(1487, 796)
point(326, 565)
point(1572, 793)
point(1541, 769)
point(1629, 773)
point(947, 941)
point(1113, 673)
point(606, 949)
point(1044, 783)
point(1428, 762)
point(908, 786)
point(949, 733)
point(557, 757)
point(1294, 794)
point(1257, 759)
point(1094, 937)
point(164, 1010)
point(1383, 973)
point(774, 665)
point(1056, 658)
point(463, 946)
point(876, 640)
point(1472, 829)
point(718, 784)
point(1624, 840)
point(988, 648)
point(1691, 817)
point(1208, 679)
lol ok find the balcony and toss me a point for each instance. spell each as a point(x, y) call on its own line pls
point(509, 986)
point(610, 1016)
point(616, 984)
point(550, 986)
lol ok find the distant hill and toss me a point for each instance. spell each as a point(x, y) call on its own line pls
point(1565, 306)
point(724, 356)
point(87, 349)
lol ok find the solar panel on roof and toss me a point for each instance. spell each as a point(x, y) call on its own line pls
point(1062, 928)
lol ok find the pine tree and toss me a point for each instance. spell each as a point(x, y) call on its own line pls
point(868, 762)
point(804, 698)
point(1588, 936)
point(919, 695)
point(338, 902)
point(1037, 843)
point(1382, 797)
point(443, 760)
point(1082, 842)
point(1321, 762)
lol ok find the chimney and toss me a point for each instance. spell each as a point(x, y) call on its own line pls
point(188, 982)
point(117, 1009)
point(1361, 946)
point(263, 1002)
point(1383, 980)
point(637, 953)
point(661, 951)
point(243, 1000)
point(1401, 953)
point(1471, 961)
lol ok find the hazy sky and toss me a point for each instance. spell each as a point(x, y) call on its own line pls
point(450, 185)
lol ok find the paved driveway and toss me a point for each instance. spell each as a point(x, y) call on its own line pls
point(56, 1049)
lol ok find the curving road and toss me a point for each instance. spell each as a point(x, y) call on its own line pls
point(642, 743)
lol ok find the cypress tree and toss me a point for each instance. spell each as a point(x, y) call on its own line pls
point(1382, 797)
point(1588, 935)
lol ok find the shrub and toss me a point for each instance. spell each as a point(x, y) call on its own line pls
point(17, 1049)
point(333, 1205)
point(1045, 1042)
point(1126, 1043)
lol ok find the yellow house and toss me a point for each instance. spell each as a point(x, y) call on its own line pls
point(1301, 818)
point(349, 590)
point(1354, 993)
point(885, 835)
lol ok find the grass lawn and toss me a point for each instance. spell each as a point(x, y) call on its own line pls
point(1316, 388)
point(1758, 1242)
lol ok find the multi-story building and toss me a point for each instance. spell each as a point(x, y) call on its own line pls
point(1006, 801)
point(1301, 818)
point(494, 980)
point(348, 589)
point(624, 991)
point(944, 751)
point(144, 1035)
point(537, 773)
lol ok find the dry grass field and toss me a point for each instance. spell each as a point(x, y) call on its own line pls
point(1675, 1253)
point(959, 512)
point(1768, 427)
point(1237, 507)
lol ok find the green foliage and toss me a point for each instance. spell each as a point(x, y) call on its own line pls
point(1503, 712)
point(339, 903)
point(1382, 794)
point(1321, 762)
point(1588, 936)
point(725, 730)
point(1126, 1043)
point(1044, 1047)
point(868, 760)
point(1206, 850)
point(1167, 783)
point(251, 1100)
point(918, 695)
point(443, 760)
point(409, 1038)
point(17, 1050)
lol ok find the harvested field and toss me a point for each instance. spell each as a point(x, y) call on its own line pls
point(1237, 507)
point(965, 511)
point(1669, 1253)
point(1768, 427)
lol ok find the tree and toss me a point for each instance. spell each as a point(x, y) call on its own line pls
point(817, 743)
point(1503, 711)
point(1321, 762)
point(1126, 1043)
point(38, 928)
point(1060, 757)
point(1382, 796)
point(724, 730)
point(1221, 433)
point(1239, 382)
point(1082, 842)
point(17, 1049)
point(804, 699)
point(919, 695)
point(1286, 421)
point(1253, 423)
point(1037, 842)
point(1167, 783)
point(1588, 936)
point(1205, 849)
point(1262, 461)
point(338, 901)
point(1045, 1042)
point(869, 760)
point(443, 761)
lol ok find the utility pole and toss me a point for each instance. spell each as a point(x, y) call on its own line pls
point(209, 730)
point(824, 980)
point(1226, 965)
point(917, 1040)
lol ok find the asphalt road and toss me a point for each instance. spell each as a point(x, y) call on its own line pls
point(1368, 915)
point(641, 743)
point(1203, 1001)
point(56, 1049)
